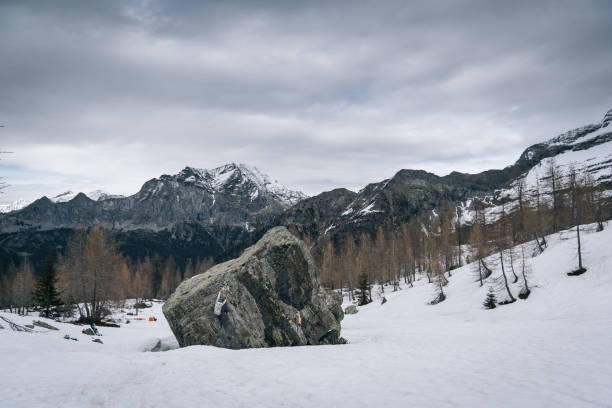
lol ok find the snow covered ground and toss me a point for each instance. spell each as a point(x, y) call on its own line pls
point(552, 349)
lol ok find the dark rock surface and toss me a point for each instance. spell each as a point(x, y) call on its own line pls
point(316, 214)
point(44, 325)
point(193, 215)
point(231, 195)
point(274, 299)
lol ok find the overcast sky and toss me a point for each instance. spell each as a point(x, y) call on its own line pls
point(108, 94)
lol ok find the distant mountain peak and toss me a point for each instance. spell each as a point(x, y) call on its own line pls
point(63, 197)
point(14, 206)
point(607, 118)
point(66, 196)
point(95, 195)
point(592, 130)
point(228, 176)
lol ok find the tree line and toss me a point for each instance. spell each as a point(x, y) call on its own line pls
point(91, 273)
point(434, 243)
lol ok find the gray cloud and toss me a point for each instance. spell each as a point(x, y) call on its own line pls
point(317, 94)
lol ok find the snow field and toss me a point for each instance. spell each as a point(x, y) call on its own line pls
point(552, 349)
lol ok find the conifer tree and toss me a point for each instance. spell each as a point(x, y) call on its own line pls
point(364, 296)
point(490, 301)
point(45, 292)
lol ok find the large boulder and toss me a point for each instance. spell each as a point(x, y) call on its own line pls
point(274, 299)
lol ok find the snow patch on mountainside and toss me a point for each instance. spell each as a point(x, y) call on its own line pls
point(14, 206)
point(365, 203)
point(236, 174)
point(595, 160)
point(96, 195)
point(593, 130)
point(587, 148)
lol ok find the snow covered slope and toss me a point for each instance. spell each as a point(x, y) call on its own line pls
point(96, 195)
point(411, 192)
point(14, 206)
point(587, 149)
point(552, 349)
point(231, 176)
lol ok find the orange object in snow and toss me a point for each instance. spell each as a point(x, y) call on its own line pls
point(138, 318)
point(152, 319)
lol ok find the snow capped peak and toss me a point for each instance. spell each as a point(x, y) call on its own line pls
point(571, 137)
point(95, 195)
point(607, 118)
point(63, 197)
point(14, 206)
point(99, 195)
point(232, 175)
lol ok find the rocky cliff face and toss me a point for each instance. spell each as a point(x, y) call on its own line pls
point(194, 214)
point(231, 195)
point(273, 295)
point(315, 215)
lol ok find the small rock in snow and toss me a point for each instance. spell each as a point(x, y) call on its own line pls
point(352, 309)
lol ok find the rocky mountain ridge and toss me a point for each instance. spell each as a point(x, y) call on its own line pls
point(194, 214)
point(219, 212)
point(230, 195)
point(96, 195)
point(410, 192)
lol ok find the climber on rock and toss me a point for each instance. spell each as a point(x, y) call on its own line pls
point(220, 307)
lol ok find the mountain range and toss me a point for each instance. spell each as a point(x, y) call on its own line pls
point(96, 195)
point(215, 213)
point(196, 213)
point(409, 192)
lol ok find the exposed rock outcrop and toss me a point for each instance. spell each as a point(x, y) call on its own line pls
point(44, 325)
point(273, 299)
point(87, 331)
